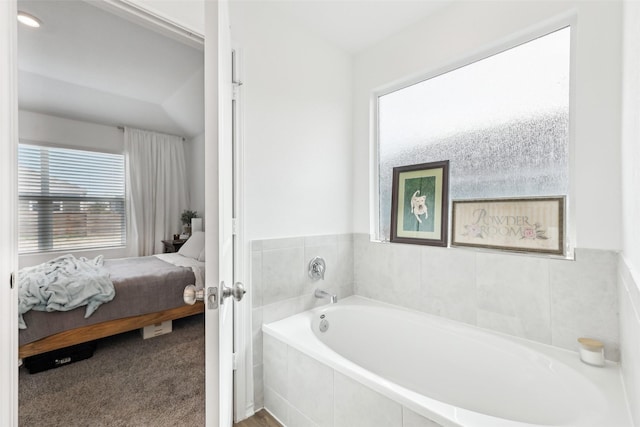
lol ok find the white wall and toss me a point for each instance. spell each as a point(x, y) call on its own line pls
point(43, 128)
point(629, 267)
point(296, 101)
point(195, 166)
point(464, 29)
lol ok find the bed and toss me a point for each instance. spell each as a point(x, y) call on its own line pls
point(148, 291)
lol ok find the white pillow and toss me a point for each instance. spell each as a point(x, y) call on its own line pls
point(201, 256)
point(193, 246)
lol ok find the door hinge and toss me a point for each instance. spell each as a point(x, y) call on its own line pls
point(234, 226)
point(12, 280)
point(234, 360)
point(235, 89)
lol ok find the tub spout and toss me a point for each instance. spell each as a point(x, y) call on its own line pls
point(324, 294)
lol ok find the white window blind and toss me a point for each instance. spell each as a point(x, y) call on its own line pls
point(70, 199)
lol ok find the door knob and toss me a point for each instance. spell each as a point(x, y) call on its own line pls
point(191, 294)
point(237, 291)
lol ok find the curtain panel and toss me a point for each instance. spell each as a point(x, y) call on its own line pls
point(157, 186)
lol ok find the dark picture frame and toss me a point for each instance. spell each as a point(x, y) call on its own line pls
point(420, 204)
point(530, 224)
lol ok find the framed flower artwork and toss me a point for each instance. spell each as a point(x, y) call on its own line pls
point(533, 224)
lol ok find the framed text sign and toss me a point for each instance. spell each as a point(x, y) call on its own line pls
point(527, 225)
point(419, 204)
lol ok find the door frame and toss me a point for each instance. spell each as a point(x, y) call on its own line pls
point(243, 402)
point(8, 216)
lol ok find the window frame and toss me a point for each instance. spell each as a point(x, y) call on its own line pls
point(478, 54)
point(125, 198)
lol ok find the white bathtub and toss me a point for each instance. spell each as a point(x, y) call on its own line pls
point(447, 372)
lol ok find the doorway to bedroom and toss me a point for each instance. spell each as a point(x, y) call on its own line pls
point(90, 77)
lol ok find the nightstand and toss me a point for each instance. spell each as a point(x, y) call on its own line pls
point(172, 245)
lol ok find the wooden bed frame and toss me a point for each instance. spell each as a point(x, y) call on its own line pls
point(106, 329)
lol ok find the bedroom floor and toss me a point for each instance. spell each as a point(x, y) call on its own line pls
point(128, 382)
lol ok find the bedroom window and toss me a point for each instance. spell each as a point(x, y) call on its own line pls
point(70, 199)
point(501, 121)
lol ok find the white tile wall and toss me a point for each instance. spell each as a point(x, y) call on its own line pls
point(258, 386)
point(275, 365)
point(280, 287)
point(256, 275)
point(584, 299)
point(547, 300)
point(310, 388)
point(513, 295)
point(276, 405)
point(411, 419)
point(283, 274)
point(448, 284)
point(359, 406)
point(630, 338)
point(297, 418)
point(318, 396)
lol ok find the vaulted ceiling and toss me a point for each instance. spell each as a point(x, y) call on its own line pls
point(88, 64)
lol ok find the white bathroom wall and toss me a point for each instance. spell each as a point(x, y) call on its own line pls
point(629, 266)
point(296, 126)
point(43, 128)
point(466, 28)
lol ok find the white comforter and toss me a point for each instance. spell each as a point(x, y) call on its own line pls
point(62, 284)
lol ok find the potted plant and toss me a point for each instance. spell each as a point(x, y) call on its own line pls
point(186, 217)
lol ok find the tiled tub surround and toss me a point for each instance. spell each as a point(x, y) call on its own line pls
point(379, 365)
point(542, 299)
point(302, 392)
point(281, 286)
point(552, 301)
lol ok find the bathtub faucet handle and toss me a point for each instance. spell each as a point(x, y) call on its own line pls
point(317, 268)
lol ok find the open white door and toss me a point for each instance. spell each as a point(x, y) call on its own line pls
point(219, 216)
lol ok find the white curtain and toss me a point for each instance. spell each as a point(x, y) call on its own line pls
point(157, 186)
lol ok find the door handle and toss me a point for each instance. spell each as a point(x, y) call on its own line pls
point(237, 291)
point(191, 294)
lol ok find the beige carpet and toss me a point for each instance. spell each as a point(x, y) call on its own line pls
point(128, 382)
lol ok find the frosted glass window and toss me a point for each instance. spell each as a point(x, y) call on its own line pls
point(502, 122)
